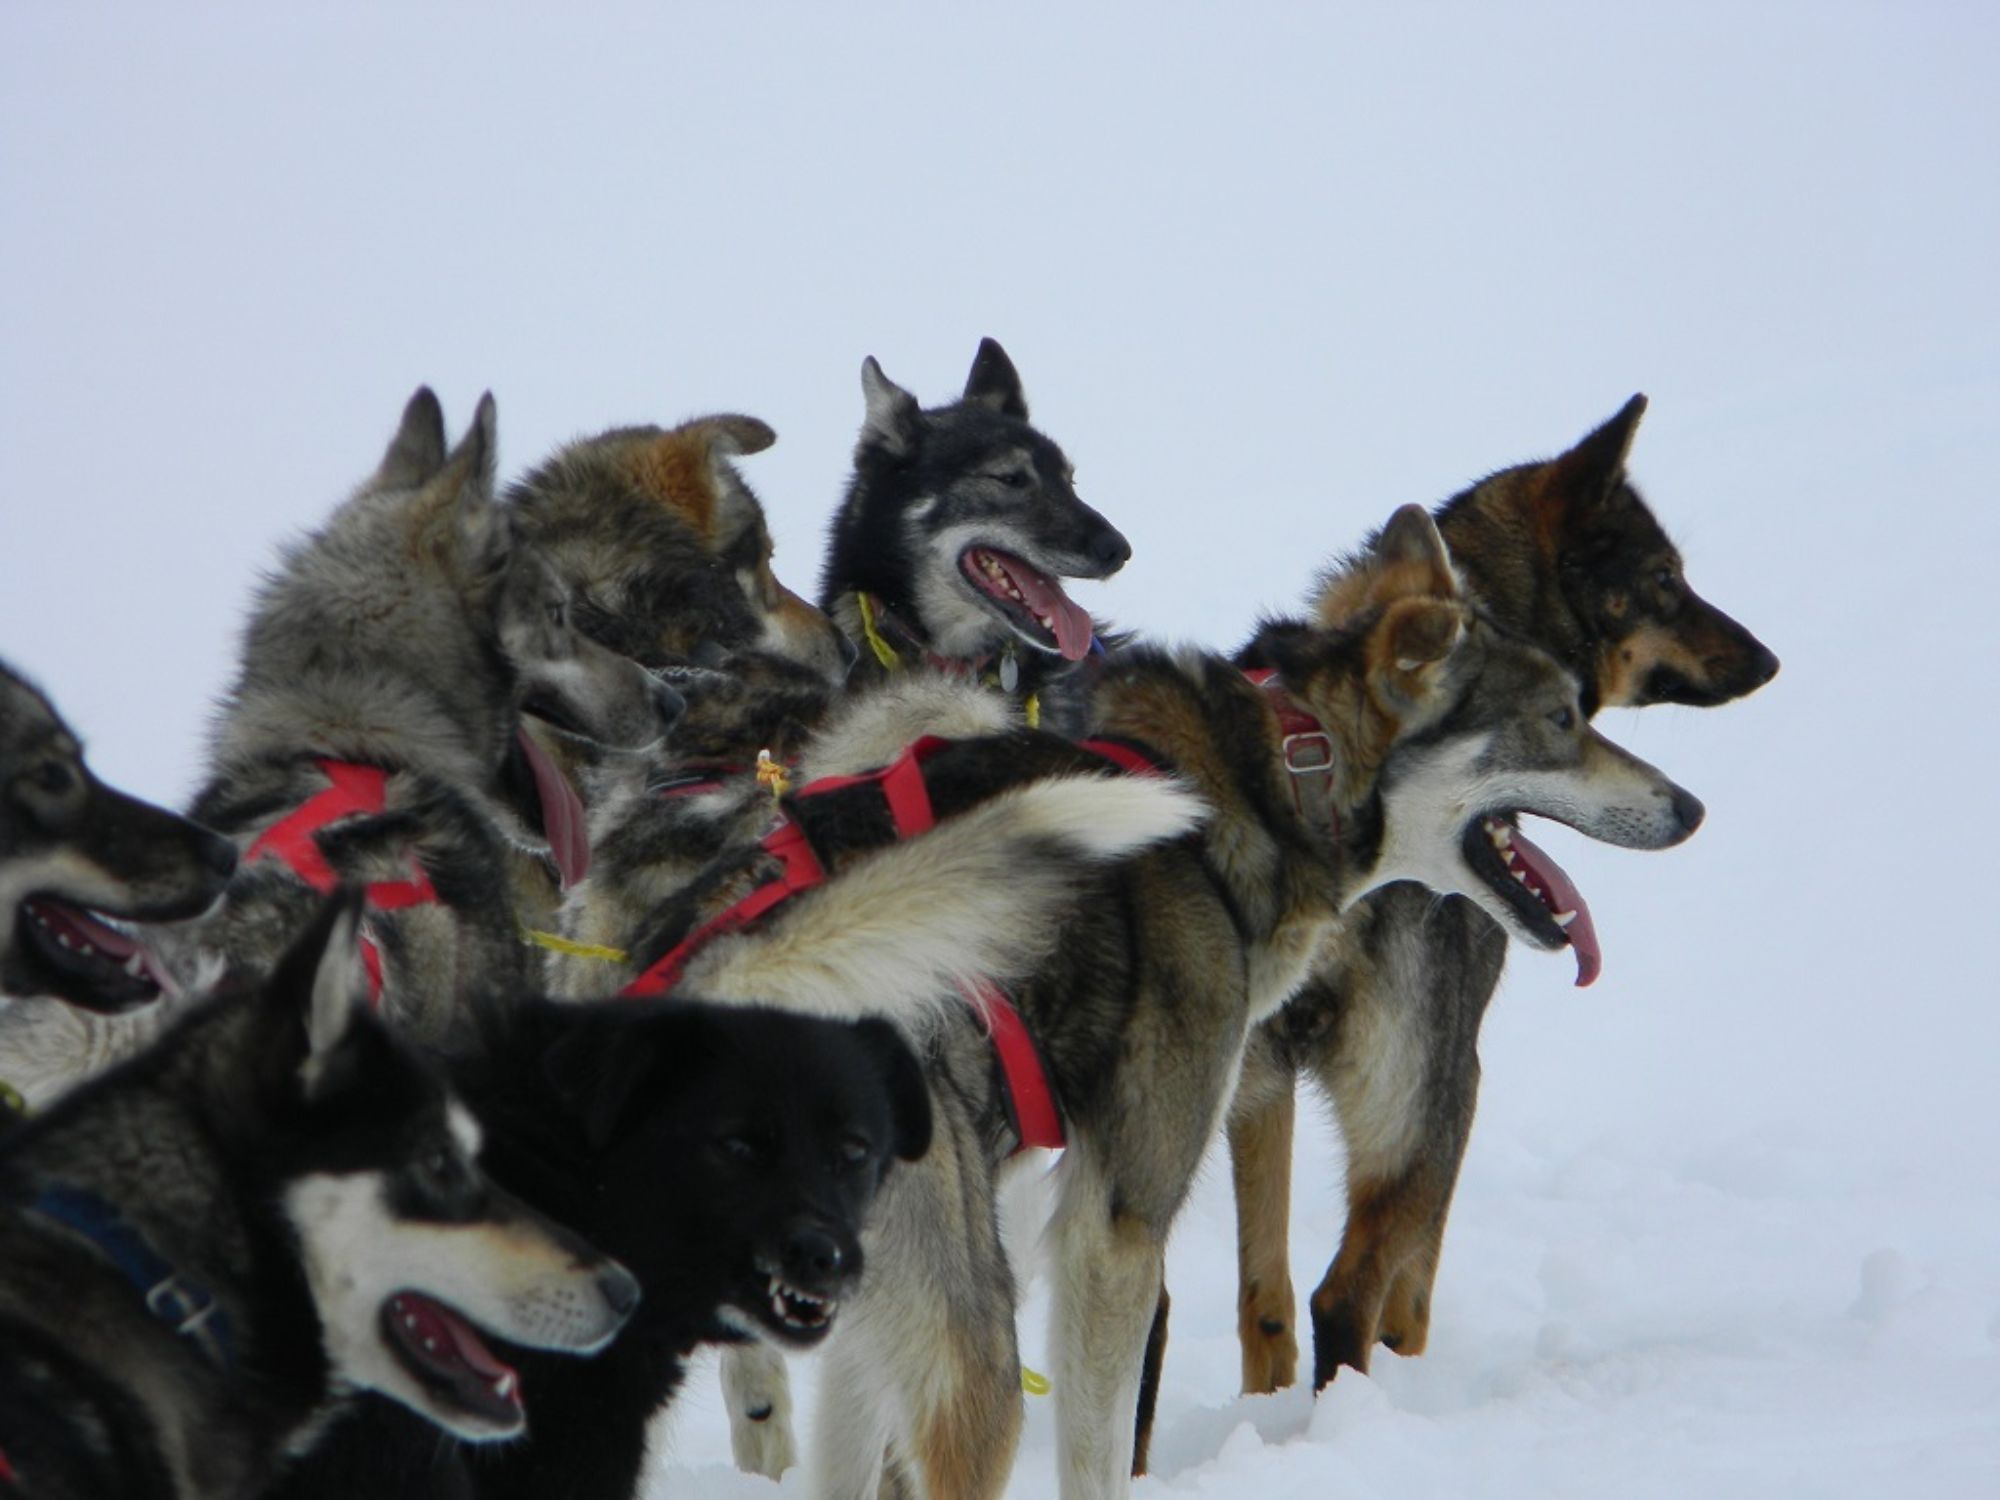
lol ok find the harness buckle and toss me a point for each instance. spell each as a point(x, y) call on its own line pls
point(187, 1311)
point(1308, 753)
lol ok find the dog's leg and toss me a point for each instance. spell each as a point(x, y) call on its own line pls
point(924, 1364)
point(1406, 1319)
point(758, 1393)
point(1108, 1268)
point(1260, 1161)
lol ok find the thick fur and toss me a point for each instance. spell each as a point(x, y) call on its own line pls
point(282, 1151)
point(1564, 554)
point(666, 551)
point(1141, 1014)
point(412, 632)
point(729, 1155)
point(73, 850)
point(929, 487)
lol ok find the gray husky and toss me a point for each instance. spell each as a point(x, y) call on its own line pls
point(958, 526)
point(1396, 737)
point(375, 735)
point(74, 851)
point(207, 1251)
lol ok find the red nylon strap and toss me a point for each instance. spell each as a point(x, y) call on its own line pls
point(801, 872)
point(1031, 1102)
point(1125, 757)
point(352, 791)
point(1306, 750)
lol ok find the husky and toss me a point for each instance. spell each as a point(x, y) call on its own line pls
point(210, 1249)
point(74, 852)
point(1431, 732)
point(1564, 554)
point(727, 1155)
point(958, 525)
point(374, 734)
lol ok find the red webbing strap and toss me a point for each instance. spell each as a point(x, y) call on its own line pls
point(352, 791)
point(801, 872)
point(1128, 758)
point(1305, 748)
point(1030, 1100)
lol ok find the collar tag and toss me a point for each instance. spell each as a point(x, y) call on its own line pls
point(1010, 670)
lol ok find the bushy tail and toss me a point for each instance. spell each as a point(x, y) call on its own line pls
point(980, 896)
point(48, 1047)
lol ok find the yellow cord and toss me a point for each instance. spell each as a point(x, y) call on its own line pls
point(884, 653)
point(10, 1099)
point(1034, 1382)
point(557, 943)
point(1032, 706)
point(773, 775)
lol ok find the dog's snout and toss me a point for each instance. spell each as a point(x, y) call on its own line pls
point(1109, 550)
point(1688, 809)
point(1763, 665)
point(216, 854)
point(620, 1290)
point(813, 1256)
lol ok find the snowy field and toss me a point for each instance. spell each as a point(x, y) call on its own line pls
point(1730, 1223)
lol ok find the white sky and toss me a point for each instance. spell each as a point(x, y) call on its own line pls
point(1268, 271)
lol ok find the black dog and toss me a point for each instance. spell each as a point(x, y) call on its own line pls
point(727, 1155)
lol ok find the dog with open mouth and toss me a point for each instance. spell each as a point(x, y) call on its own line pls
point(209, 1250)
point(74, 853)
point(957, 529)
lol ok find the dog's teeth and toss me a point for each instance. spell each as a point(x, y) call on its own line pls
point(1521, 875)
point(62, 940)
point(431, 1345)
point(504, 1386)
point(136, 964)
point(1564, 918)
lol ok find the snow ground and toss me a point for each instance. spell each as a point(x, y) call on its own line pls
point(1731, 1219)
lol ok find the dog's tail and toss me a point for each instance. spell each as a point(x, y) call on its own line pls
point(979, 897)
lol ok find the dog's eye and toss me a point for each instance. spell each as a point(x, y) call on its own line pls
point(854, 1151)
point(1564, 718)
point(1014, 479)
point(737, 1148)
point(53, 777)
point(558, 613)
point(1668, 580)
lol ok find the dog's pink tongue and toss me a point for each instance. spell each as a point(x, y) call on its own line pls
point(1560, 895)
point(1045, 597)
point(563, 819)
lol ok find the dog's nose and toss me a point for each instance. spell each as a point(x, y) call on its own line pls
point(812, 1256)
point(217, 855)
point(1109, 550)
point(1688, 808)
point(668, 704)
point(1763, 666)
point(620, 1290)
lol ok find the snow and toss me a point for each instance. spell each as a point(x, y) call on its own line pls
point(1730, 1222)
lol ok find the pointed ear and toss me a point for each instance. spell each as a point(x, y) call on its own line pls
point(1590, 471)
point(1417, 633)
point(995, 383)
point(601, 1063)
point(485, 533)
point(1413, 548)
point(733, 435)
point(317, 990)
point(891, 419)
point(416, 452)
point(909, 1095)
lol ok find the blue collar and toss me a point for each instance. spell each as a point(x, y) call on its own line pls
point(181, 1302)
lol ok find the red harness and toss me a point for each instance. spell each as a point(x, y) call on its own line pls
point(7, 1474)
point(1307, 750)
point(1031, 1101)
point(353, 790)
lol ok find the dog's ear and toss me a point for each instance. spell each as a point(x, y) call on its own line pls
point(1414, 557)
point(892, 417)
point(416, 452)
point(1588, 473)
point(903, 1079)
point(732, 435)
point(995, 383)
point(603, 1063)
point(1415, 634)
point(485, 532)
point(315, 993)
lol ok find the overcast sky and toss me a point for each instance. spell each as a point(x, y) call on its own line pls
point(1267, 272)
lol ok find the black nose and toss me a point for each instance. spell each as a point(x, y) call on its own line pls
point(1109, 550)
point(620, 1290)
point(668, 704)
point(1688, 808)
point(1763, 666)
point(217, 855)
point(812, 1256)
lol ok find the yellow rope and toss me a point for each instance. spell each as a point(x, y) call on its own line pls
point(884, 653)
point(1032, 706)
point(557, 943)
point(1034, 1382)
point(10, 1099)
